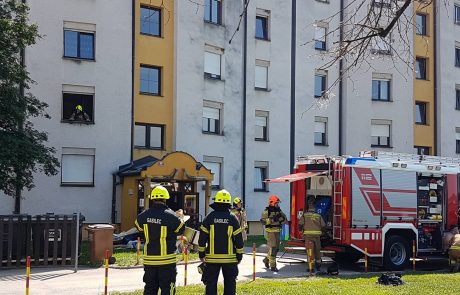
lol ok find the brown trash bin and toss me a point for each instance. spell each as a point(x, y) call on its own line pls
point(101, 239)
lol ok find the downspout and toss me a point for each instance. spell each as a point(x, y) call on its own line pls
point(133, 55)
point(341, 80)
point(114, 197)
point(293, 78)
point(435, 97)
point(245, 52)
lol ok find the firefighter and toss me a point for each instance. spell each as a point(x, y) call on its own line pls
point(454, 250)
point(79, 114)
point(240, 214)
point(220, 245)
point(273, 219)
point(311, 225)
point(161, 227)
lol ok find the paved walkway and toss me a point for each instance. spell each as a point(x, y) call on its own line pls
point(91, 280)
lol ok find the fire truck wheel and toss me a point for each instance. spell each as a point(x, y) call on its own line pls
point(397, 253)
point(347, 258)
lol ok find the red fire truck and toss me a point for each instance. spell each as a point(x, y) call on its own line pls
point(380, 201)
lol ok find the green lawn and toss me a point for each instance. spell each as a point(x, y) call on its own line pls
point(124, 257)
point(128, 257)
point(414, 284)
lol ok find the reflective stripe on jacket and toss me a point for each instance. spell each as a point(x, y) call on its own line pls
point(312, 224)
point(273, 219)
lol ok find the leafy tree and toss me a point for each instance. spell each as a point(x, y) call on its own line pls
point(22, 148)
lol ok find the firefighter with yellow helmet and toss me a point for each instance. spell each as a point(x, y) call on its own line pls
point(161, 227)
point(311, 225)
point(240, 214)
point(273, 219)
point(220, 245)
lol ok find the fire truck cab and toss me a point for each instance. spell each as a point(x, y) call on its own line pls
point(380, 204)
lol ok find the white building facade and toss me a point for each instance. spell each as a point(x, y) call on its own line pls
point(82, 61)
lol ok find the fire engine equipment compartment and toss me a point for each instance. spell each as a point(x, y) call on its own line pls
point(320, 187)
point(430, 204)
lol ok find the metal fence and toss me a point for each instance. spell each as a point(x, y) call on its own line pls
point(48, 239)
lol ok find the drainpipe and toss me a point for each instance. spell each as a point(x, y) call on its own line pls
point(435, 78)
point(133, 55)
point(341, 81)
point(293, 77)
point(245, 53)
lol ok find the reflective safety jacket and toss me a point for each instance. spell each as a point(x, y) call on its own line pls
point(455, 243)
point(273, 219)
point(311, 224)
point(161, 227)
point(220, 238)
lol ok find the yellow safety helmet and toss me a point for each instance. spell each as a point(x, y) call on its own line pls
point(236, 201)
point(79, 107)
point(223, 197)
point(159, 193)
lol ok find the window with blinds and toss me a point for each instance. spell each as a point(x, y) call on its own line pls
point(261, 126)
point(211, 120)
point(77, 166)
point(320, 130)
point(212, 65)
point(380, 133)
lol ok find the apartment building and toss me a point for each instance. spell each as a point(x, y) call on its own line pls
point(171, 100)
point(81, 62)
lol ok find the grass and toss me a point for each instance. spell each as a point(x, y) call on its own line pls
point(124, 257)
point(366, 284)
point(128, 257)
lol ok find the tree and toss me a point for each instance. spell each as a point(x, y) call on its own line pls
point(364, 30)
point(22, 148)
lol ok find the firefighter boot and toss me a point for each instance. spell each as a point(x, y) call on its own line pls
point(274, 269)
point(266, 262)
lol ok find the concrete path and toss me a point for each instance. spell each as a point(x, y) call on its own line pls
point(91, 280)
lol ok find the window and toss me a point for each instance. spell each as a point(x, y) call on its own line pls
point(381, 90)
point(149, 136)
point(420, 113)
point(260, 174)
point(213, 62)
point(457, 140)
point(262, 27)
point(77, 167)
point(215, 165)
point(78, 44)
point(420, 24)
point(150, 80)
point(261, 75)
point(213, 11)
point(381, 45)
point(380, 133)
point(78, 107)
point(212, 117)
point(320, 83)
point(423, 150)
point(150, 21)
point(420, 68)
point(457, 97)
point(381, 3)
point(457, 14)
point(320, 38)
point(320, 131)
point(324, 1)
point(261, 132)
point(457, 56)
